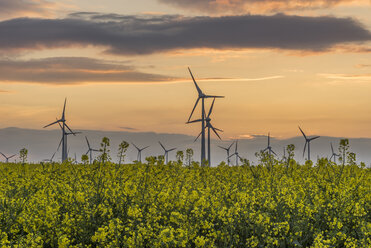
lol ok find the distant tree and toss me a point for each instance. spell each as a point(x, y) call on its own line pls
point(104, 149)
point(160, 159)
point(151, 160)
point(23, 155)
point(123, 147)
point(290, 153)
point(85, 159)
point(180, 157)
point(344, 150)
point(189, 156)
point(351, 158)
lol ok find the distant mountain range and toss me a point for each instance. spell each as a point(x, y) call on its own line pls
point(41, 144)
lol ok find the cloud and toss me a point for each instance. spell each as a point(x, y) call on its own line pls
point(358, 77)
point(30, 8)
point(73, 70)
point(255, 6)
point(133, 35)
point(129, 128)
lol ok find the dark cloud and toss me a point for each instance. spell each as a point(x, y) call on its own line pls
point(252, 6)
point(72, 70)
point(151, 34)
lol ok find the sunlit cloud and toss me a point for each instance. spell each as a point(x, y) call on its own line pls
point(257, 6)
point(73, 70)
point(362, 77)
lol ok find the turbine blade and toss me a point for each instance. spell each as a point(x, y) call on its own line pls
point(215, 131)
point(273, 152)
point(193, 110)
point(3, 154)
point(197, 137)
point(211, 109)
point(52, 123)
point(52, 156)
point(60, 142)
point(145, 148)
point(198, 120)
point(87, 141)
point(12, 156)
point(171, 150)
point(302, 133)
point(231, 145)
point(305, 146)
point(223, 148)
point(162, 146)
point(64, 108)
point(332, 149)
point(70, 129)
point(135, 146)
point(265, 149)
point(209, 96)
point(314, 138)
point(194, 81)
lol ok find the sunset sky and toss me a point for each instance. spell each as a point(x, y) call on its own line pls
point(122, 65)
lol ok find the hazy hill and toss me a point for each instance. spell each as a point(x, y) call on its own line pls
point(43, 143)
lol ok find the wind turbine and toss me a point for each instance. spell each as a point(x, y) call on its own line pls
point(166, 155)
point(208, 126)
point(236, 153)
point(334, 155)
point(307, 141)
point(64, 135)
point(139, 157)
point(201, 96)
point(269, 148)
point(90, 150)
point(227, 149)
point(6, 157)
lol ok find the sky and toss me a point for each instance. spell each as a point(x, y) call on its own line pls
point(122, 65)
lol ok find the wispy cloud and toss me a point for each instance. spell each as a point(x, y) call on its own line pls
point(133, 35)
point(256, 6)
point(358, 77)
point(129, 128)
point(73, 70)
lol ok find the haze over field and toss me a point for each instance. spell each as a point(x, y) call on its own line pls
point(14, 139)
point(122, 65)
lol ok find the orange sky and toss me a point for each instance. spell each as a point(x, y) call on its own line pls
point(266, 89)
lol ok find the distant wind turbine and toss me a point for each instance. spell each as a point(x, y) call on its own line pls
point(236, 153)
point(90, 150)
point(201, 96)
point(307, 141)
point(6, 157)
point(334, 155)
point(208, 126)
point(166, 154)
point(64, 135)
point(139, 157)
point(269, 148)
point(227, 149)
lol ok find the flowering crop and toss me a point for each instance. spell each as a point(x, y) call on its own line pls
point(156, 205)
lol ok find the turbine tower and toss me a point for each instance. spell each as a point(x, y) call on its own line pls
point(236, 153)
point(227, 149)
point(166, 154)
point(90, 150)
point(6, 157)
point(201, 96)
point(269, 148)
point(64, 135)
point(307, 141)
point(208, 126)
point(139, 157)
point(334, 155)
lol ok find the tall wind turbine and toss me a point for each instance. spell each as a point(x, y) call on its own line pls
point(209, 126)
point(90, 150)
point(6, 157)
point(64, 136)
point(236, 153)
point(269, 148)
point(139, 157)
point(227, 149)
point(334, 155)
point(201, 96)
point(307, 141)
point(166, 154)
